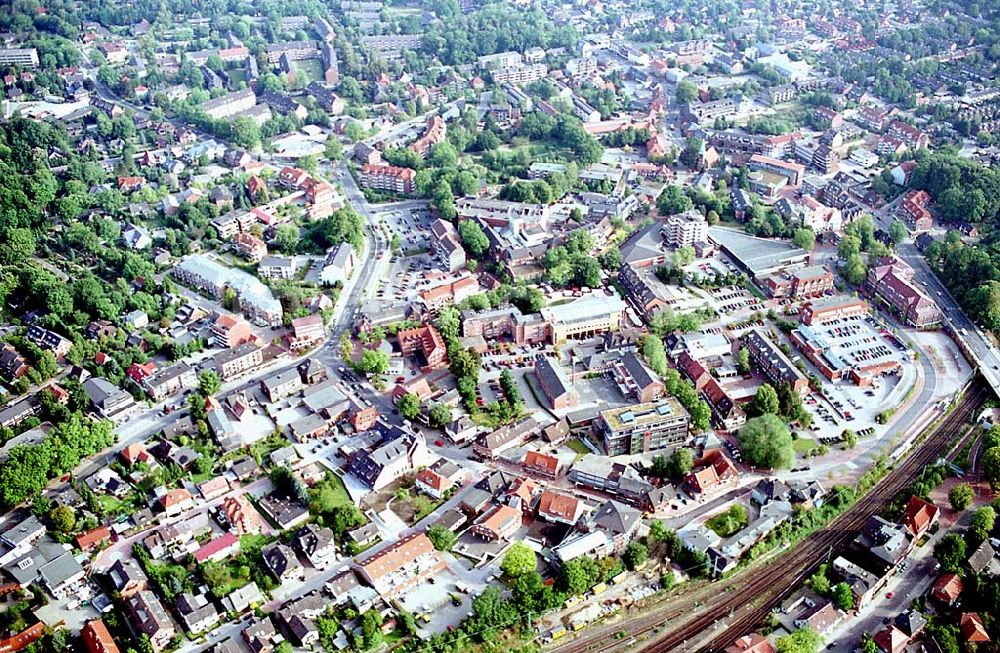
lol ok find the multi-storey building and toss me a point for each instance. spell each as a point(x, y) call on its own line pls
point(891, 280)
point(641, 428)
point(234, 362)
point(391, 178)
point(521, 74)
point(398, 567)
point(169, 381)
point(254, 298)
point(230, 104)
point(504, 323)
point(26, 57)
point(793, 172)
point(913, 211)
point(292, 50)
point(555, 384)
point(685, 228)
point(446, 244)
point(433, 134)
point(773, 363)
point(428, 342)
point(588, 316)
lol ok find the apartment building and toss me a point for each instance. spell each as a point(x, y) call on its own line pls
point(773, 363)
point(231, 331)
point(234, 362)
point(254, 298)
point(586, 317)
point(685, 228)
point(891, 280)
point(504, 323)
point(520, 74)
point(433, 134)
point(277, 267)
point(291, 50)
point(394, 569)
point(426, 341)
point(306, 331)
point(25, 57)
point(642, 428)
point(793, 172)
point(913, 211)
point(230, 104)
point(171, 380)
point(446, 243)
point(388, 178)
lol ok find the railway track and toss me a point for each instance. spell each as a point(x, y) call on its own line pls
point(753, 593)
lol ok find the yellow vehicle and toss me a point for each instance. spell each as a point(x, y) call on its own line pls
point(620, 578)
point(558, 632)
point(571, 601)
point(599, 589)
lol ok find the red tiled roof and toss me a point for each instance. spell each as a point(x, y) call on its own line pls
point(93, 538)
point(973, 630)
point(97, 638)
point(215, 546)
point(538, 460)
point(919, 515)
point(558, 506)
point(948, 588)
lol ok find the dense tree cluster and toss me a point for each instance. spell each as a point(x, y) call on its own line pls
point(494, 28)
point(29, 467)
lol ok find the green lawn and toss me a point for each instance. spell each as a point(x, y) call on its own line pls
point(337, 485)
point(804, 445)
point(309, 70)
point(577, 445)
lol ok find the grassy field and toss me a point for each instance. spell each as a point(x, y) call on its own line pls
point(308, 70)
point(804, 445)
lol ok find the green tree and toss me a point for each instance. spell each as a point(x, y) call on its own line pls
point(804, 640)
point(820, 583)
point(473, 238)
point(991, 467)
point(371, 630)
point(578, 575)
point(743, 361)
point(960, 496)
point(681, 462)
point(286, 238)
point(764, 402)
point(209, 383)
point(518, 561)
point(658, 531)
point(898, 231)
point(854, 269)
point(439, 415)
point(409, 406)
point(373, 362)
point(686, 91)
point(804, 238)
point(766, 442)
point(850, 438)
point(64, 519)
point(981, 525)
point(333, 150)
point(843, 597)
point(442, 538)
point(635, 554)
point(950, 552)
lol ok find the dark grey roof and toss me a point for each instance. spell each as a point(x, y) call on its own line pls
point(616, 517)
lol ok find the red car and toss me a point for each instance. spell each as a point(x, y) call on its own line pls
point(889, 595)
point(400, 379)
point(439, 443)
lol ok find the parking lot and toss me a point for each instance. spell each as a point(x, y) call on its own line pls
point(735, 299)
